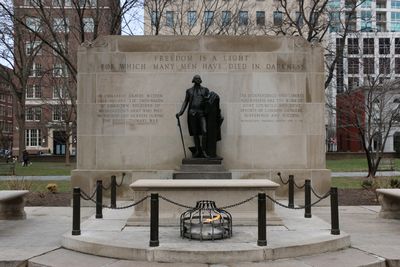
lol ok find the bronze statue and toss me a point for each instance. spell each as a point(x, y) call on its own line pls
point(204, 119)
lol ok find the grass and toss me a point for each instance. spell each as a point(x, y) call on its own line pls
point(355, 182)
point(44, 169)
point(352, 165)
point(35, 185)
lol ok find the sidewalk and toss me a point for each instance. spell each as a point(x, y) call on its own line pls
point(364, 174)
point(37, 241)
point(37, 178)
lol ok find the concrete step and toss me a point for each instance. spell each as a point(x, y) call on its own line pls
point(349, 257)
point(201, 175)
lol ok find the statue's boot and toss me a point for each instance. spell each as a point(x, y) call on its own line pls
point(197, 154)
point(204, 146)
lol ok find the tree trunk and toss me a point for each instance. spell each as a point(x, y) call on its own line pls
point(67, 143)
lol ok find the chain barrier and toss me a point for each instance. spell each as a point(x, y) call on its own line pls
point(315, 193)
point(127, 206)
point(299, 187)
point(299, 208)
point(175, 203)
point(122, 180)
point(105, 188)
point(238, 203)
point(280, 177)
point(86, 196)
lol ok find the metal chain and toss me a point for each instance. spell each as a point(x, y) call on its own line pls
point(127, 206)
point(175, 203)
point(315, 193)
point(299, 208)
point(238, 203)
point(299, 187)
point(122, 180)
point(86, 196)
point(106, 188)
point(280, 177)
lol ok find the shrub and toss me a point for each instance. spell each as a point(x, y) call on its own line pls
point(52, 188)
point(19, 184)
point(394, 183)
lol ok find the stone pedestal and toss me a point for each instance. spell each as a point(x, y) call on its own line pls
point(12, 204)
point(202, 168)
point(390, 203)
point(187, 192)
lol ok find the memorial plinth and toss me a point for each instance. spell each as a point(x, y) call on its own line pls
point(201, 168)
point(272, 99)
point(187, 192)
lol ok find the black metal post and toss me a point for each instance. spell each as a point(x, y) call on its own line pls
point(262, 220)
point(99, 199)
point(334, 212)
point(113, 192)
point(76, 211)
point(291, 191)
point(154, 242)
point(307, 199)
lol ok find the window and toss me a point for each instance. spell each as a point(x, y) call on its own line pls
point(32, 137)
point(61, 25)
point(154, 18)
point(243, 18)
point(350, 3)
point(60, 3)
point(369, 65)
point(36, 70)
point(397, 45)
point(380, 3)
point(368, 46)
point(88, 25)
point(395, 22)
point(397, 65)
point(366, 4)
point(278, 18)
point(169, 19)
point(334, 3)
point(33, 114)
point(208, 18)
point(299, 19)
point(34, 91)
point(34, 24)
point(60, 92)
point(366, 21)
point(33, 47)
point(260, 18)
point(191, 18)
point(352, 46)
point(226, 18)
point(35, 3)
point(60, 70)
point(384, 46)
point(381, 21)
point(395, 4)
point(334, 25)
point(87, 3)
point(353, 83)
point(58, 114)
point(384, 66)
point(352, 64)
point(351, 20)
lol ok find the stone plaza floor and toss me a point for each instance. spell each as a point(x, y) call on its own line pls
point(36, 241)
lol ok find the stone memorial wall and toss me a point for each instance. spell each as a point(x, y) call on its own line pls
point(272, 99)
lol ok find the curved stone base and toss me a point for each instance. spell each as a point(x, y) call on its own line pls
point(110, 237)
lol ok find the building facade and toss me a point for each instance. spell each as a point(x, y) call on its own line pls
point(6, 116)
point(56, 30)
point(371, 55)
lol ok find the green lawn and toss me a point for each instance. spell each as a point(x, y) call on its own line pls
point(44, 169)
point(34, 185)
point(347, 182)
point(352, 165)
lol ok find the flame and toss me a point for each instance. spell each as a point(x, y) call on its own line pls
point(213, 219)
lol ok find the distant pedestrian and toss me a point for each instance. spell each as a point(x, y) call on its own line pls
point(25, 158)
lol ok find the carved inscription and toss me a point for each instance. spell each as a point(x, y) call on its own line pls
point(133, 108)
point(203, 62)
point(271, 107)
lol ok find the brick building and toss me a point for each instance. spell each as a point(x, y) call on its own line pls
point(58, 27)
point(6, 115)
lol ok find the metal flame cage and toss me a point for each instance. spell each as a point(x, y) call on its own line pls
point(206, 222)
